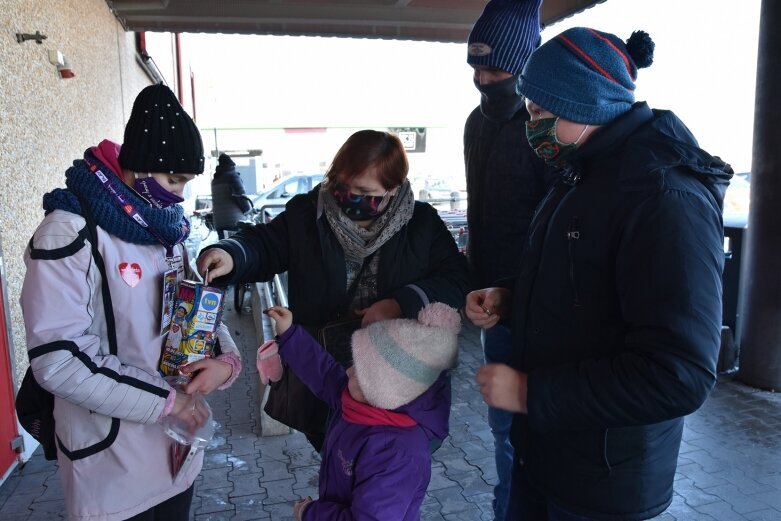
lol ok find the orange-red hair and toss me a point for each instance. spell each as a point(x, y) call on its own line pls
point(370, 148)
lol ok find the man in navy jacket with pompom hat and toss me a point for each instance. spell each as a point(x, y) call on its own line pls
point(616, 313)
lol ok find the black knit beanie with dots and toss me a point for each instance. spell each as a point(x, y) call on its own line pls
point(160, 136)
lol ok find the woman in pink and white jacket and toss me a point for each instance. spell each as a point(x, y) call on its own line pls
point(95, 342)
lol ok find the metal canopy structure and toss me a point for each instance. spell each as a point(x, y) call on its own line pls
point(430, 20)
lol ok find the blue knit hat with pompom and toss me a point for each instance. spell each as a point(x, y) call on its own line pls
point(585, 75)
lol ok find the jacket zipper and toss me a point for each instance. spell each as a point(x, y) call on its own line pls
point(573, 234)
point(605, 459)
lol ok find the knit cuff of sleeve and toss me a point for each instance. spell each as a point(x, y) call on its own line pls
point(169, 404)
point(284, 337)
point(307, 509)
point(236, 252)
point(411, 299)
point(235, 362)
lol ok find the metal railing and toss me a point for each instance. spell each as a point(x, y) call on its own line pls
point(274, 292)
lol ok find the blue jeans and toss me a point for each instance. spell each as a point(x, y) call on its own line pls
point(496, 349)
point(528, 504)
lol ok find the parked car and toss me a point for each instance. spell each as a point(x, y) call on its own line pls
point(272, 200)
point(736, 201)
point(441, 193)
point(455, 221)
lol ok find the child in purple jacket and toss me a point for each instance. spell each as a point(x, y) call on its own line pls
point(376, 463)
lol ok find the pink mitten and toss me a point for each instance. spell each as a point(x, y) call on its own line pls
point(269, 363)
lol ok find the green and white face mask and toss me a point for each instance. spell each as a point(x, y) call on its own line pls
point(541, 135)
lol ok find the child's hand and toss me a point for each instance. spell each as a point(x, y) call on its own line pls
point(211, 374)
point(299, 507)
point(189, 411)
point(283, 318)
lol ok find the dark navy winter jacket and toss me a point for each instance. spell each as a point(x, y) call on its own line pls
point(505, 181)
point(617, 314)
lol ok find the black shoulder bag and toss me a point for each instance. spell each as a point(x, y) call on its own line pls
point(34, 404)
point(290, 401)
point(336, 335)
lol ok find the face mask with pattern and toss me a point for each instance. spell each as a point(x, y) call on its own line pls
point(541, 135)
point(153, 192)
point(360, 207)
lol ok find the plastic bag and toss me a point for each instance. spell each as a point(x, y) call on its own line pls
point(188, 442)
point(179, 430)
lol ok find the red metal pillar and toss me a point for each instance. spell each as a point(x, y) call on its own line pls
point(179, 80)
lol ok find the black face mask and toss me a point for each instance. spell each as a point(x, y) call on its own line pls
point(501, 100)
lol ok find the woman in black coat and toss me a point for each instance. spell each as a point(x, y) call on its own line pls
point(358, 243)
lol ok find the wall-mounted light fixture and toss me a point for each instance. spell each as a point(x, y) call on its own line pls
point(63, 67)
point(55, 57)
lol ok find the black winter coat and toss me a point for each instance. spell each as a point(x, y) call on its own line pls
point(505, 181)
point(617, 314)
point(229, 204)
point(420, 263)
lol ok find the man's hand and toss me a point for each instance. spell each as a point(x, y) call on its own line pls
point(384, 309)
point(485, 307)
point(299, 507)
point(210, 374)
point(214, 263)
point(503, 387)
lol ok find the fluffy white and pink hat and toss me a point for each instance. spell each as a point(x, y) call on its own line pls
point(398, 360)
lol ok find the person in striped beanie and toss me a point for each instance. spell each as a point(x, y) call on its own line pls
point(504, 182)
point(385, 410)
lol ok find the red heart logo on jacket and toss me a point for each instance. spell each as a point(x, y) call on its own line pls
point(130, 273)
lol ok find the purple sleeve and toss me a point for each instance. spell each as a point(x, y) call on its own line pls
point(386, 487)
point(313, 365)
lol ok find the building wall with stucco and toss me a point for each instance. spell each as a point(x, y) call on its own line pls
point(46, 121)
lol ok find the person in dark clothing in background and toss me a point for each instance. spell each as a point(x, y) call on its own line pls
point(504, 181)
point(229, 202)
point(616, 313)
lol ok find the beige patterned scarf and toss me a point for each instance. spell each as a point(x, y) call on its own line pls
point(359, 242)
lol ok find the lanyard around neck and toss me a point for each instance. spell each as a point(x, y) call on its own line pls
point(132, 211)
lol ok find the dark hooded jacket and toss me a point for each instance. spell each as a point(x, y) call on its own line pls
point(505, 181)
point(229, 203)
point(617, 316)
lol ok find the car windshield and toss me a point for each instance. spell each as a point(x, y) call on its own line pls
point(736, 201)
